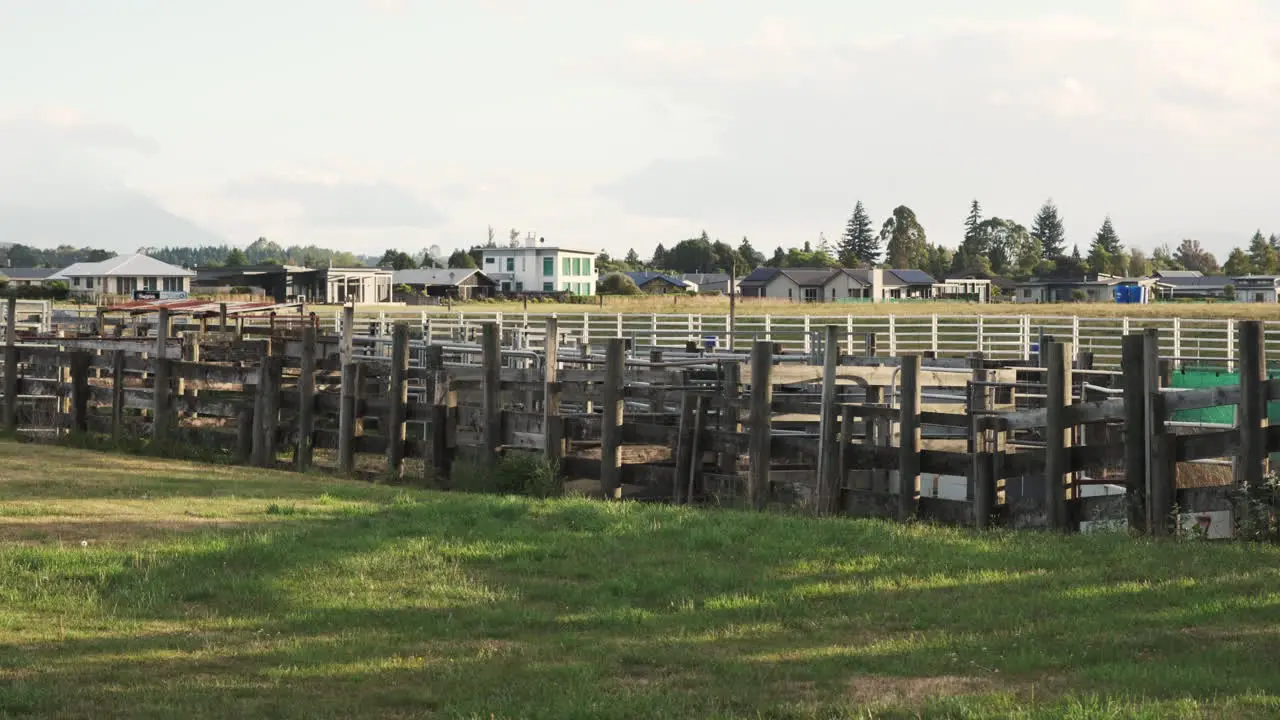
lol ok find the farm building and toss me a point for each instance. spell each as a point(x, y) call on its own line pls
point(966, 289)
point(1079, 287)
point(293, 283)
point(453, 283)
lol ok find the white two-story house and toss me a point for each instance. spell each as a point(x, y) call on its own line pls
point(537, 267)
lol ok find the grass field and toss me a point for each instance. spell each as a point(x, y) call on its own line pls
point(142, 588)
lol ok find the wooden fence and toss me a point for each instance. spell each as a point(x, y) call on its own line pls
point(847, 436)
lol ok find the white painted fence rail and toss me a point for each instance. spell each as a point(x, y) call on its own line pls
point(1184, 340)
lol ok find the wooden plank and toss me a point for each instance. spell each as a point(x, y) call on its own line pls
point(696, 488)
point(872, 375)
point(79, 391)
point(684, 449)
point(117, 394)
point(828, 441)
point(306, 401)
point(1057, 433)
point(729, 421)
point(611, 419)
point(759, 455)
point(909, 437)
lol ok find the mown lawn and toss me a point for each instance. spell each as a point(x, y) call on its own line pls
point(138, 588)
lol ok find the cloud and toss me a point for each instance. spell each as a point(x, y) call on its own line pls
point(1061, 105)
point(68, 127)
point(338, 202)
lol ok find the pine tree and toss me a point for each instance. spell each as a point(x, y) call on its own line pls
point(1047, 227)
point(1106, 252)
point(1238, 263)
point(1262, 257)
point(1075, 254)
point(859, 246)
point(973, 224)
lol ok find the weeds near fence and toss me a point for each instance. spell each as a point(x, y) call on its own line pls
point(1259, 510)
point(144, 445)
point(515, 474)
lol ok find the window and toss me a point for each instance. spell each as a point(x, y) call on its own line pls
point(577, 266)
point(586, 266)
point(75, 282)
point(149, 283)
point(126, 286)
point(1026, 292)
point(88, 282)
point(548, 267)
point(566, 267)
point(548, 287)
point(506, 286)
point(173, 284)
point(488, 261)
point(511, 264)
point(519, 286)
point(812, 294)
point(788, 293)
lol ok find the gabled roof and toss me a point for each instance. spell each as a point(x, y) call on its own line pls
point(136, 265)
point(436, 276)
point(27, 273)
point(1171, 274)
point(703, 278)
point(1194, 281)
point(644, 277)
point(760, 276)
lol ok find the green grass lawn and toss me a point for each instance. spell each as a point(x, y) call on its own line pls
point(139, 588)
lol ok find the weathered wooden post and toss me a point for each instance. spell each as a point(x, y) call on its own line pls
point(658, 396)
point(683, 480)
point(80, 361)
point(761, 417)
point(396, 420)
point(491, 359)
point(306, 400)
point(981, 484)
point(1057, 433)
point(828, 426)
point(552, 422)
point(117, 394)
point(222, 317)
point(1160, 464)
point(611, 421)
point(1251, 464)
point(162, 405)
point(732, 375)
point(11, 367)
point(908, 437)
point(1132, 357)
point(267, 411)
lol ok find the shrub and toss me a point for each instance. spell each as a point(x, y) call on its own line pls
point(515, 474)
point(618, 284)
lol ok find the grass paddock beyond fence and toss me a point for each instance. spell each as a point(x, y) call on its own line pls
point(137, 587)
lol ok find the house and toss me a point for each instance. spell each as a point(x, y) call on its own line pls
point(1080, 286)
point(1189, 285)
point(710, 282)
point(537, 267)
point(355, 284)
point(282, 283)
point(901, 284)
point(454, 283)
point(806, 284)
point(25, 277)
point(1257, 288)
point(655, 283)
point(125, 275)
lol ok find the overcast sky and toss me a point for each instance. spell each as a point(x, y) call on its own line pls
point(618, 124)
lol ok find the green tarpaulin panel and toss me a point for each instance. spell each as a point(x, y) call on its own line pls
point(1195, 378)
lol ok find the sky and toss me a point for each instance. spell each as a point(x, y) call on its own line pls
point(621, 124)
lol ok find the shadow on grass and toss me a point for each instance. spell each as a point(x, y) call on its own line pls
point(471, 606)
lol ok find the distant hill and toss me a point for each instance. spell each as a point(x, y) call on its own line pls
point(119, 220)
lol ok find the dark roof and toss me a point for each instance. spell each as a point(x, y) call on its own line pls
point(1195, 281)
point(642, 278)
point(760, 276)
point(436, 276)
point(810, 276)
point(913, 277)
point(27, 273)
point(1172, 274)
